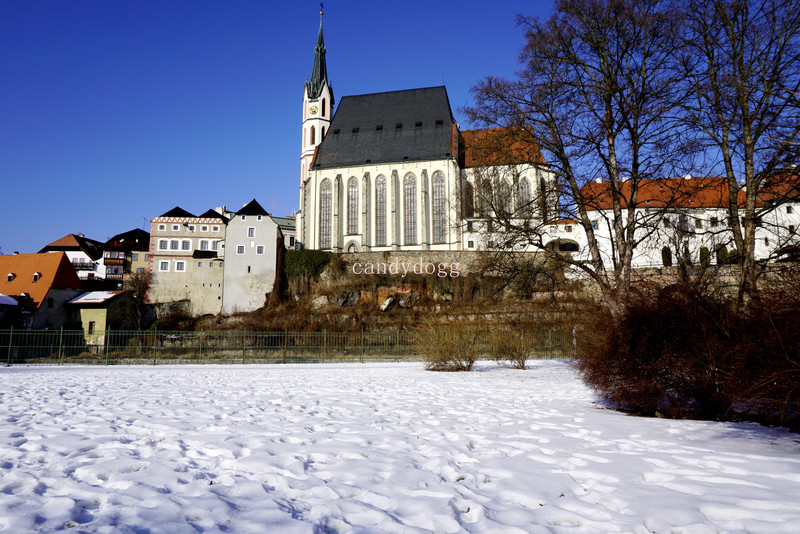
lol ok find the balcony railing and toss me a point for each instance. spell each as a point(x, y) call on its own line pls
point(83, 265)
point(114, 261)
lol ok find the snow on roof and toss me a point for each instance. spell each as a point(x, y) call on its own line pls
point(94, 297)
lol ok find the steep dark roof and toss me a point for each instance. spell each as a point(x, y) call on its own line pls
point(177, 211)
point(213, 214)
point(319, 72)
point(411, 125)
point(135, 239)
point(252, 208)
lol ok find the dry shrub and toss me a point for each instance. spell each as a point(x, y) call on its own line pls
point(509, 347)
point(680, 352)
point(449, 346)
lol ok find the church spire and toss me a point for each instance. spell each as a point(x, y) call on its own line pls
point(319, 73)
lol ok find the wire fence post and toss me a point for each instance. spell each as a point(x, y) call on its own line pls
point(324, 344)
point(105, 342)
point(397, 345)
point(60, 346)
point(285, 346)
point(244, 338)
point(153, 347)
point(10, 340)
point(361, 359)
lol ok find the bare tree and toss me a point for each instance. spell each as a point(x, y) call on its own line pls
point(138, 284)
point(595, 93)
point(741, 69)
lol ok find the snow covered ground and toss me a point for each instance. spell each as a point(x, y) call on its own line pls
point(371, 448)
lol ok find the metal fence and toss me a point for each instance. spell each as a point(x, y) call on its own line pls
point(233, 346)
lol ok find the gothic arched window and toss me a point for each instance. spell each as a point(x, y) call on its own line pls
point(439, 208)
point(324, 107)
point(380, 210)
point(410, 209)
point(525, 197)
point(503, 199)
point(352, 206)
point(311, 136)
point(468, 201)
point(325, 200)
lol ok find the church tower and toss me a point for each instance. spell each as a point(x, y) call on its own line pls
point(317, 106)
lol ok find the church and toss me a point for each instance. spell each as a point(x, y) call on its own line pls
point(393, 171)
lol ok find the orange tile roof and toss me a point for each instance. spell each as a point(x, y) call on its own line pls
point(55, 269)
point(695, 192)
point(499, 146)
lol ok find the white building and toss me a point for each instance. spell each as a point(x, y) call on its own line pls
point(689, 215)
point(252, 238)
point(392, 171)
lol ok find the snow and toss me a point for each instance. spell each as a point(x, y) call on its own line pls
point(94, 297)
point(371, 448)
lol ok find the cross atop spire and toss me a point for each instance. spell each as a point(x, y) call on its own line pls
point(319, 72)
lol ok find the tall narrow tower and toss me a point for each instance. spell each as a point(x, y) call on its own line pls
point(317, 106)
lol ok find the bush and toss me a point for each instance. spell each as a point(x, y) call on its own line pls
point(679, 352)
point(448, 347)
point(509, 347)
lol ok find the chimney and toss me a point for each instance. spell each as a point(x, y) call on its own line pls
point(687, 177)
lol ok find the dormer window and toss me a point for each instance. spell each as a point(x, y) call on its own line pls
point(379, 127)
point(37, 276)
point(355, 130)
point(418, 124)
point(11, 276)
point(440, 122)
point(398, 126)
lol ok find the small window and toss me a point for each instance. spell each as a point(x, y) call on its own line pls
point(259, 217)
point(470, 244)
point(758, 222)
point(698, 223)
point(595, 225)
point(355, 130)
point(489, 227)
point(490, 244)
point(11, 277)
point(379, 128)
point(244, 217)
point(789, 209)
point(418, 124)
point(215, 228)
point(203, 245)
point(713, 222)
point(291, 241)
point(439, 122)
point(251, 232)
point(37, 276)
point(214, 245)
point(186, 245)
point(163, 266)
point(248, 269)
point(134, 256)
point(335, 131)
point(173, 245)
point(180, 266)
point(553, 229)
point(791, 228)
point(191, 228)
point(568, 228)
point(240, 249)
point(766, 241)
point(162, 227)
point(667, 223)
point(199, 263)
point(140, 270)
point(211, 264)
point(163, 244)
point(147, 257)
point(204, 228)
point(469, 226)
point(260, 249)
point(175, 227)
point(91, 327)
point(398, 126)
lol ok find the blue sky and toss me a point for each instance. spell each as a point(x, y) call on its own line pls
point(113, 112)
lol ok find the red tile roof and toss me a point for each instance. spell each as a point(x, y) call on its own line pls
point(694, 192)
point(55, 271)
point(499, 146)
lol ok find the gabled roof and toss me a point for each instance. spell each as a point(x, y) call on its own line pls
point(252, 208)
point(212, 214)
point(95, 298)
point(692, 192)
point(498, 146)
point(177, 211)
point(411, 125)
point(55, 272)
point(76, 242)
point(135, 239)
point(781, 187)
